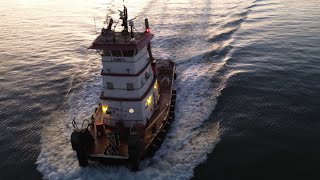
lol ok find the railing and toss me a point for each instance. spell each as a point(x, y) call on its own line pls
point(159, 115)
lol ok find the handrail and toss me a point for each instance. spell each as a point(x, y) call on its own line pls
point(160, 114)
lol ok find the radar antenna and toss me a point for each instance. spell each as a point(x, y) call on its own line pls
point(131, 24)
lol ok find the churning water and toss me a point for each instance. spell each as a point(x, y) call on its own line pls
point(248, 88)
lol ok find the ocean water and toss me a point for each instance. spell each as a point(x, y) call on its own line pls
point(248, 87)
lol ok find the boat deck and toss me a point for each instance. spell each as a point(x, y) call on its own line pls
point(100, 144)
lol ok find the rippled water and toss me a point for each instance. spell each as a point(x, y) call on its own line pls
point(248, 87)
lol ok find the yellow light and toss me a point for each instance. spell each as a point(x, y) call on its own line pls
point(104, 109)
point(155, 85)
point(149, 100)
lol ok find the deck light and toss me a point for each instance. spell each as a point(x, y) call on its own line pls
point(104, 109)
point(155, 85)
point(131, 110)
point(149, 100)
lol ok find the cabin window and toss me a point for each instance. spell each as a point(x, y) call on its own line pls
point(130, 87)
point(127, 53)
point(147, 75)
point(110, 85)
point(116, 53)
point(128, 70)
point(106, 53)
point(108, 70)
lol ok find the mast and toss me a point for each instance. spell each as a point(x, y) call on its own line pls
point(124, 17)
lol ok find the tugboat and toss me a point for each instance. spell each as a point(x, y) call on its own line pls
point(137, 102)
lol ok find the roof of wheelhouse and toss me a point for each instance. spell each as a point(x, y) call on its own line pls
point(116, 41)
point(111, 40)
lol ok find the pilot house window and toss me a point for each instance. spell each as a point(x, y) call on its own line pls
point(116, 53)
point(127, 53)
point(106, 53)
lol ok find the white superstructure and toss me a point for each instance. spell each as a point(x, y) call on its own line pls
point(130, 87)
point(130, 90)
